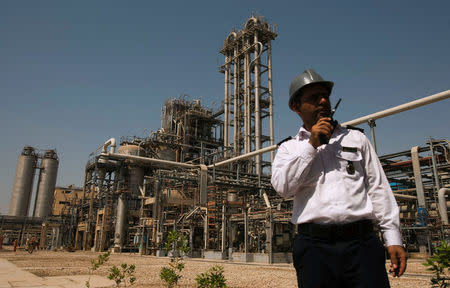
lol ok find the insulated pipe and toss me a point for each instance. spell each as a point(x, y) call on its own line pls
point(244, 156)
point(269, 82)
point(443, 204)
point(236, 103)
point(433, 160)
point(397, 109)
point(405, 197)
point(257, 106)
point(247, 105)
point(378, 115)
point(224, 228)
point(417, 176)
point(150, 160)
point(246, 100)
point(121, 222)
point(226, 103)
point(111, 142)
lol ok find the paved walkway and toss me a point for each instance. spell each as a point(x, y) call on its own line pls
point(13, 276)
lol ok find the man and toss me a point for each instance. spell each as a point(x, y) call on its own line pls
point(339, 191)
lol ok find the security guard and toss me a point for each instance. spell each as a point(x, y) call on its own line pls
point(340, 192)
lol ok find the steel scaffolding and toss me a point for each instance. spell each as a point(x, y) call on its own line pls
point(248, 90)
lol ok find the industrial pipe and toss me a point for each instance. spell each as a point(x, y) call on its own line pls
point(226, 105)
point(111, 142)
point(418, 176)
point(257, 108)
point(269, 82)
point(244, 156)
point(236, 103)
point(408, 106)
point(150, 160)
point(443, 204)
point(405, 197)
point(397, 109)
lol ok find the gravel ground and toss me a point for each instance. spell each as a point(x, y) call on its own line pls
point(46, 263)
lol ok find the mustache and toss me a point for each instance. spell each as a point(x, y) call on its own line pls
point(324, 112)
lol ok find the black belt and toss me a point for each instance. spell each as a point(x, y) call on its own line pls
point(347, 231)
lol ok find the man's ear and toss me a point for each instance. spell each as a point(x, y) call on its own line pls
point(296, 107)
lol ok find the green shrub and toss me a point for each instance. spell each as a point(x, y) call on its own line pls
point(169, 276)
point(213, 278)
point(95, 264)
point(177, 246)
point(125, 273)
point(439, 264)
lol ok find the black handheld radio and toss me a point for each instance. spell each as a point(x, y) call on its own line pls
point(323, 138)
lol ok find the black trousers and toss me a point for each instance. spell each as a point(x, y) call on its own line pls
point(351, 263)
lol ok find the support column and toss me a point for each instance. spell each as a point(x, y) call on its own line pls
point(205, 231)
point(226, 108)
point(249, 100)
point(77, 234)
point(269, 81)
point(157, 213)
point(203, 184)
point(224, 230)
point(422, 213)
point(246, 232)
point(435, 171)
point(236, 128)
point(121, 222)
point(269, 235)
point(191, 238)
point(43, 237)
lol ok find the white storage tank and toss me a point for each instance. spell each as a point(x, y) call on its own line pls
point(23, 183)
point(46, 184)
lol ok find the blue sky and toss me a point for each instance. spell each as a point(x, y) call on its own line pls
point(74, 74)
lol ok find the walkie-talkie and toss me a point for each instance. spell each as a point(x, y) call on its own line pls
point(323, 137)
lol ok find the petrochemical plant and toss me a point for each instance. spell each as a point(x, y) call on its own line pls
point(206, 173)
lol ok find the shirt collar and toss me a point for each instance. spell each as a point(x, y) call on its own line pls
point(303, 133)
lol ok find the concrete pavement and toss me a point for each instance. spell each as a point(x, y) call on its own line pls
point(13, 276)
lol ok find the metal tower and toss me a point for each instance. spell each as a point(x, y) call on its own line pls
point(248, 90)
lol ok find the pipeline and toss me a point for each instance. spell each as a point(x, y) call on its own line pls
point(111, 142)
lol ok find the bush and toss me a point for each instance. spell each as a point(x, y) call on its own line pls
point(213, 278)
point(177, 246)
point(169, 276)
point(96, 263)
point(125, 273)
point(439, 264)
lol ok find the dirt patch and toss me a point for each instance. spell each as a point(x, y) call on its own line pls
point(47, 263)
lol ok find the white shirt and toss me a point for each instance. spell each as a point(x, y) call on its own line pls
point(325, 192)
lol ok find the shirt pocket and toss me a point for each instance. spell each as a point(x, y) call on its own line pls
point(347, 160)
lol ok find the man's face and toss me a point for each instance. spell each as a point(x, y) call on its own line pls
point(314, 104)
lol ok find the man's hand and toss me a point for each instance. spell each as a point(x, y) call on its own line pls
point(398, 260)
point(323, 126)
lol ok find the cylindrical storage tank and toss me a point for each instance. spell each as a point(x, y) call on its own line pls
point(121, 222)
point(23, 183)
point(46, 184)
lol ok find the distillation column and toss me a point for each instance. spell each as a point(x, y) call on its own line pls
point(248, 63)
